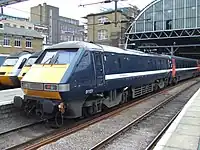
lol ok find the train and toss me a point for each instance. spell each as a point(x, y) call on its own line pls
point(31, 60)
point(11, 68)
point(78, 79)
point(2, 58)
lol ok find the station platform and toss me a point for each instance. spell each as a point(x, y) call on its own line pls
point(6, 96)
point(184, 132)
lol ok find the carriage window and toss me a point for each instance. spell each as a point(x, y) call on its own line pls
point(150, 63)
point(155, 65)
point(119, 62)
point(98, 59)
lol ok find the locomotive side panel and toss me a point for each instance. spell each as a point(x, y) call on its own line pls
point(132, 70)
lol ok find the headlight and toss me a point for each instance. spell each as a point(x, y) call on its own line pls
point(51, 87)
point(57, 87)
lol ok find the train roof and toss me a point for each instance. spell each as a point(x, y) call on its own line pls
point(185, 58)
point(105, 48)
point(19, 54)
point(36, 54)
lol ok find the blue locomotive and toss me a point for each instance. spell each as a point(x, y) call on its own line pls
point(74, 79)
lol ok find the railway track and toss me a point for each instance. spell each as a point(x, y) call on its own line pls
point(126, 135)
point(20, 128)
point(77, 126)
point(11, 137)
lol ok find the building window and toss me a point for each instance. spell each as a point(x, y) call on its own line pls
point(102, 34)
point(6, 41)
point(28, 43)
point(102, 19)
point(17, 42)
point(169, 24)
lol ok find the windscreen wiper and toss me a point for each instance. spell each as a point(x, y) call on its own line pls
point(49, 59)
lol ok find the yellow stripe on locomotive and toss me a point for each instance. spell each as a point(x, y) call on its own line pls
point(5, 72)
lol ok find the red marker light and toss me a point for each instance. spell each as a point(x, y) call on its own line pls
point(48, 86)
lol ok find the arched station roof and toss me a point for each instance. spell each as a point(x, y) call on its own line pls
point(166, 19)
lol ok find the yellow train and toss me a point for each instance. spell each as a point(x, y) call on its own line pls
point(28, 64)
point(2, 58)
point(11, 68)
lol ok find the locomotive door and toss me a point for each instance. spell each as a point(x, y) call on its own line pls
point(99, 68)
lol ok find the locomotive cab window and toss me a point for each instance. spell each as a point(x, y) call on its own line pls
point(61, 57)
point(31, 61)
point(10, 61)
point(64, 57)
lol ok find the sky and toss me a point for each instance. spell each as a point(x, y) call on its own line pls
point(69, 8)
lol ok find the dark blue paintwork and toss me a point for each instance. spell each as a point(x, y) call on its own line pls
point(82, 73)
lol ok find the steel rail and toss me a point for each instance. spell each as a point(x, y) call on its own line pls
point(150, 146)
point(137, 120)
point(21, 127)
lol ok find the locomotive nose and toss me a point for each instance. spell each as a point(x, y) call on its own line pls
point(5, 73)
point(44, 81)
point(46, 73)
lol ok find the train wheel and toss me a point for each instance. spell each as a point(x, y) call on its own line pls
point(175, 81)
point(91, 110)
point(58, 119)
point(124, 98)
point(155, 87)
point(85, 112)
point(161, 84)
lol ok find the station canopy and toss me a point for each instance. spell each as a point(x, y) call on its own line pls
point(10, 2)
point(167, 24)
